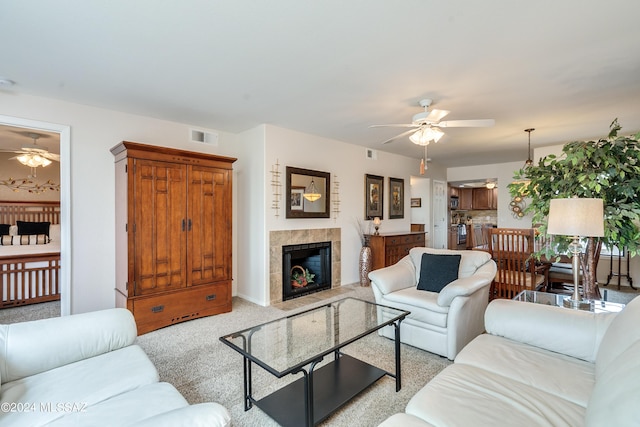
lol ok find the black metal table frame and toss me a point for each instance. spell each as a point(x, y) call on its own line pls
point(311, 363)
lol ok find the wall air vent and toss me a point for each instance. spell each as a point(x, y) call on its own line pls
point(371, 154)
point(203, 137)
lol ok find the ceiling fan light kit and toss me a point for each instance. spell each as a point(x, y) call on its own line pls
point(426, 127)
point(33, 160)
point(34, 155)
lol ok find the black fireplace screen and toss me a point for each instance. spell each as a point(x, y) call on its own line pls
point(306, 268)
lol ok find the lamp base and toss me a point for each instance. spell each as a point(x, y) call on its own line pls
point(578, 304)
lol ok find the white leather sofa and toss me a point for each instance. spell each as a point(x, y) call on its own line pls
point(538, 365)
point(84, 370)
point(444, 322)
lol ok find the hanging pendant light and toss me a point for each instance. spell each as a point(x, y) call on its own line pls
point(311, 193)
point(529, 162)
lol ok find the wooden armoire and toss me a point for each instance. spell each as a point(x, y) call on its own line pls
point(173, 234)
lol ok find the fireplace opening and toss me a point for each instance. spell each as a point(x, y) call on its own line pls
point(306, 268)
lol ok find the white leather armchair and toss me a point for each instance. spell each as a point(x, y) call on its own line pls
point(444, 322)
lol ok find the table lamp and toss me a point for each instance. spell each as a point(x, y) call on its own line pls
point(576, 217)
point(376, 224)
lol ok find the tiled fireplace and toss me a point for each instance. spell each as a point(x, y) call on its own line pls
point(280, 238)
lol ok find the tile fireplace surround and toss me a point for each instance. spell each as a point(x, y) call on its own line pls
point(292, 237)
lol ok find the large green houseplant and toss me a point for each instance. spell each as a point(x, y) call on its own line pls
point(608, 169)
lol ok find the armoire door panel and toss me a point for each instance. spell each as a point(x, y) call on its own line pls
point(160, 200)
point(209, 196)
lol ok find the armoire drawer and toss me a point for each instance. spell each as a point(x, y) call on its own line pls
point(167, 309)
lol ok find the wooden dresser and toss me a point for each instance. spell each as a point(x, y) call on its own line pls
point(389, 248)
point(173, 234)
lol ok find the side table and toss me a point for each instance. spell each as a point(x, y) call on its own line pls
point(546, 298)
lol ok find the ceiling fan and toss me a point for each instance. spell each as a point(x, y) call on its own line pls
point(426, 126)
point(33, 155)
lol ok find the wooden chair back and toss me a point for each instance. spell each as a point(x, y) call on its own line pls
point(512, 249)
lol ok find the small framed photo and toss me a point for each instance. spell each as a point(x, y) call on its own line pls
point(297, 198)
point(396, 198)
point(373, 196)
point(416, 202)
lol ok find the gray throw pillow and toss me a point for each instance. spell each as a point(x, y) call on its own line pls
point(437, 271)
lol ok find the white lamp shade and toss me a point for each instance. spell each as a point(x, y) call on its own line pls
point(576, 217)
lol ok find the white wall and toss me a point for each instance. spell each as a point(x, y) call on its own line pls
point(421, 188)
point(93, 132)
point(348, 163)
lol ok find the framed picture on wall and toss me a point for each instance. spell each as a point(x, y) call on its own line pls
point(297, 198)
point(373, 196)
point(416, 202)
point(396, 198)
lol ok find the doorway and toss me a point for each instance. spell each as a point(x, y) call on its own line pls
point(65, 199)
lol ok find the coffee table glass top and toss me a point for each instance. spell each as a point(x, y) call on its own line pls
point(283, 346)
point(548, 298)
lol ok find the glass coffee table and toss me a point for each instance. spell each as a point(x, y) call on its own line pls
point(548, 298)
point(298, 343)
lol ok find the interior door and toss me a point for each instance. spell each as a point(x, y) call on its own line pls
point(160, 226)
point(439, 215)
point(209, 237)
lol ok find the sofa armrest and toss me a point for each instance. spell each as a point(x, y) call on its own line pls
point(468, 285)
point(575, 333)
point(29, 348)
point(395, 277)
point(209, 414)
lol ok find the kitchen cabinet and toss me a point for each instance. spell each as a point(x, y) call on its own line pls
point(389, 248)
point(482, 198)
point(173, 234)
point(494, 199)
point(466, 199)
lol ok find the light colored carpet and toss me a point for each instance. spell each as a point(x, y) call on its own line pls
point(191, 357)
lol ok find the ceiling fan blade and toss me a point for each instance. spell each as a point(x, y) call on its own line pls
point(467, 123)
point(403, 125)
point(399, 136)
point(436, 115)
point(51, 156)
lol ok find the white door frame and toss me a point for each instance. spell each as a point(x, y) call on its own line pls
point(65, 200)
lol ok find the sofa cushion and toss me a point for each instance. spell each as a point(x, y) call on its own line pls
point(464, 395)
point(470, 261)
point(84, 383)
point(126, 408)
point(422, 305)
point(614, 401)
point(437, 271)
point(534, 366)
point(619, 336)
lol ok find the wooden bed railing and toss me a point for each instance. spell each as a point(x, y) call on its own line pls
point(10, 212)
point(29, 279)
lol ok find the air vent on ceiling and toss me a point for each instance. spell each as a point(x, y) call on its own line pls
point(203, 137)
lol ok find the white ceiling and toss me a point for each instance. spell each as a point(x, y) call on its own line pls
point(332, 68)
